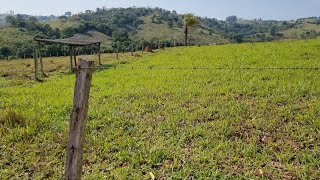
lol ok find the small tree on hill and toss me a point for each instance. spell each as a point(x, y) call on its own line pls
point(12, 21)
point(189, 21)
point(232, 19)
point(6, 51)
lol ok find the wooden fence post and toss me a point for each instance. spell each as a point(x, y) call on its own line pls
point(78, 120)
point(99, 53)
point(142, 50)
point(35, 56)
point(71, 66)
point(117, 50)
point(132, 49)
point(40, 57)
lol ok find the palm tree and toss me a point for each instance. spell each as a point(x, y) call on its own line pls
point(189, 21)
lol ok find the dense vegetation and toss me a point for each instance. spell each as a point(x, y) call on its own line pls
point(129, 25)
point(175, 123)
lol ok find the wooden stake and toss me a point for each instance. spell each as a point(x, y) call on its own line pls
point(142, 47)
point(70, 49)
point(78, 120)
point(40, 57)
point(132, 49)
point(99, 53)
point(117, 50)
point(74, 56)
point(35, 57)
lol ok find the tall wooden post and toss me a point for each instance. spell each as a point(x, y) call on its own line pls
point(142, 47)
point(78, 120)
point(35, 57)
point(40, 57)
point(74, 55)
point(117, 56)
point(70, 49)
point(132, 49)
point(99, 53)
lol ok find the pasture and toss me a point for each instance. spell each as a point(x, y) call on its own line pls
point(157, 113)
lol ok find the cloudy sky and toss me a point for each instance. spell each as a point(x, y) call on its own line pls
point(249, 9)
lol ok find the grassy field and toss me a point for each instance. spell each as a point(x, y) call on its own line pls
point(24, 69)
point(176, 123)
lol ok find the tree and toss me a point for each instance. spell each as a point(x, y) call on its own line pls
point(12, 21)
point(6, 51)
point(170, 23)
point(153, 18)
point(68, 32)
point(238, 38)
point(232, 19)
point(26, 50)
point(273, 31)
point(189, 21)
point(120, 35)
point(33, 19)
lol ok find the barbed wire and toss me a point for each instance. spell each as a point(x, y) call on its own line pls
point(32, 70)
point(166, 68)
point(205, 68)
point(18, 70)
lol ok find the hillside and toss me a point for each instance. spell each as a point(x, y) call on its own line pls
point(304, 28)
point(146, 26)
point(158, 113)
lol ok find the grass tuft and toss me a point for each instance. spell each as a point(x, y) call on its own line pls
point(11, 118)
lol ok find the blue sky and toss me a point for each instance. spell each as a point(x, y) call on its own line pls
point(249, 9)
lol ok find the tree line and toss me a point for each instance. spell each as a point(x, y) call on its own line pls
point(123, 23)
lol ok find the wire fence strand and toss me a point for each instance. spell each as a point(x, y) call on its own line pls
point(170, 68)
point(206, 68)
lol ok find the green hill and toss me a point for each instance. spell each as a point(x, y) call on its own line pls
point(148, 26)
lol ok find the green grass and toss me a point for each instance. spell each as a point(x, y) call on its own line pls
point(177, 124)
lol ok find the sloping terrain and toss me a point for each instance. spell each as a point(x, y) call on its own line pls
point(14, 35)
point(176, 114)
point(162, 31)
point(303, 29)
